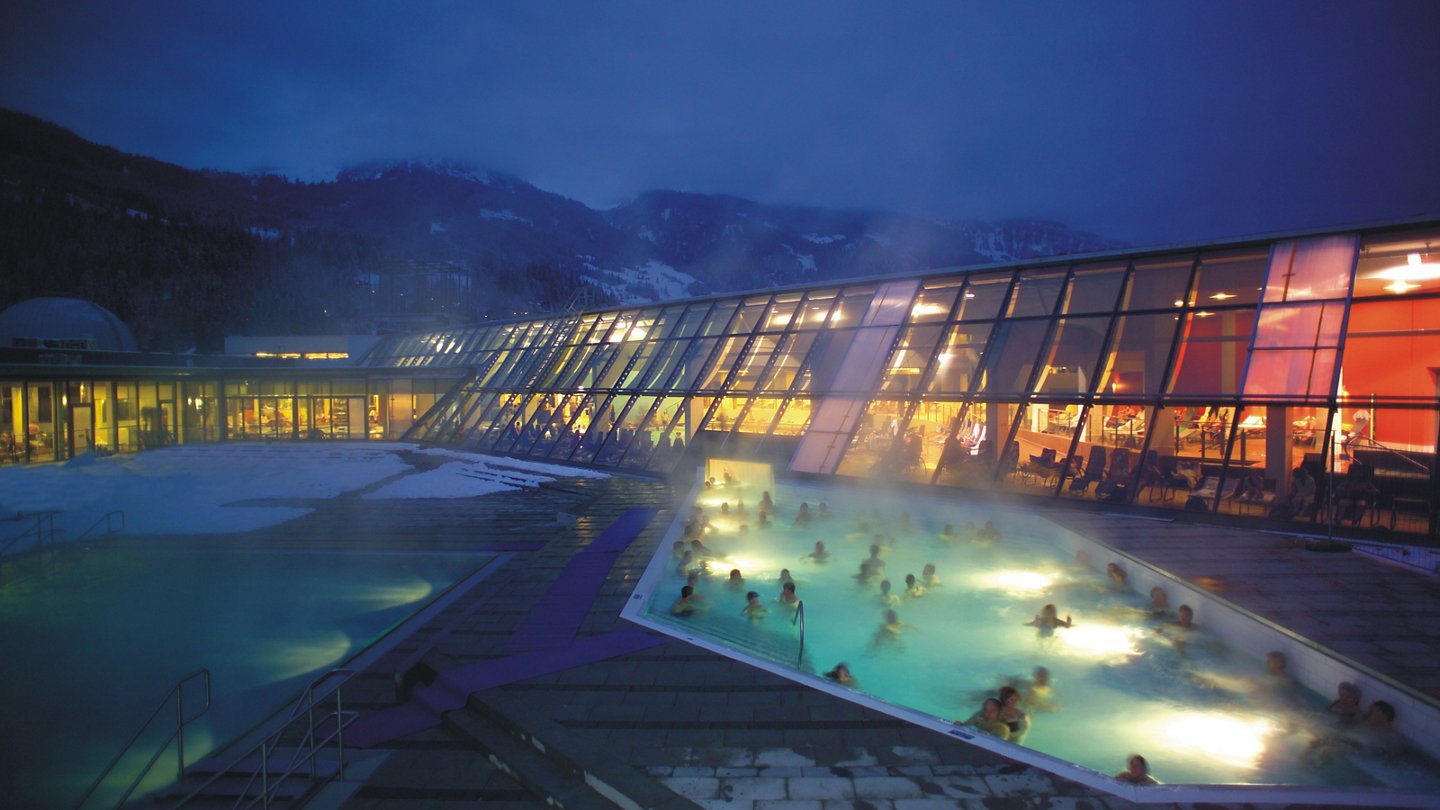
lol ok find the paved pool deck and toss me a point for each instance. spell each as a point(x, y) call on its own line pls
point(720, 734)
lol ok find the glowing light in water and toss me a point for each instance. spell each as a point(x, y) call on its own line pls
point(1100, 640)
point(290, 658)
point(1227, 738)
point(395, 594)
point(1017, 583)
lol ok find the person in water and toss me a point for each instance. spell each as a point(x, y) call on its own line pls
point(987, 720)
point(1011, 714)
point(928, 576)
point(1178, 631)
point(1347, 708)
point(1049, 619)
point(785, 576)
point(802, 516)
point(824, 511)
point(819, 554)
point(1117, 577)
point(891, 629)
point(753, 608)
point(685, 605)
point(872, 566)
point(1137, 772)
point(841, 675)
point(913, 588)
point(886, 598)
point(767, 506)
point(787, 594)
point(988, 533)
point(737, 580)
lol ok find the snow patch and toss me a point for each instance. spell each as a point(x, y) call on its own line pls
point(436, 227)
point(505, 216)
point(268, 234)
point(649, 235)
point(650, 282)
point(136, 214)
point(817, 239)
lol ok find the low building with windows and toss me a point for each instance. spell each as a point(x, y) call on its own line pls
point(1291, 377)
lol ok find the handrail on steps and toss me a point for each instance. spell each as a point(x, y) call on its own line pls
point(307, 751)
point(43, 530)
point(799, 618)
point(177, 736)
point(109, 519)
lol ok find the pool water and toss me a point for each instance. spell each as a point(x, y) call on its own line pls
point(93, 641)
point(1202, 715)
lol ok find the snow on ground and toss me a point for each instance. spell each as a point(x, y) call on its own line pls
point(196, 489)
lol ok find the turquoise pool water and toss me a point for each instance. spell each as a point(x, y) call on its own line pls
point(1205, 714)
point(94, 641)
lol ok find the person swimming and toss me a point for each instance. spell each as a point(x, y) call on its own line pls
point(872, 566)
point(685, 605)
point(753, 608)
point(824, 511)
point(1116, 576)
point(785, 575)
point(1048, 619)
point(766, 505)
point(1178, 631)
point(1011, 714)
point(890, 629)
point(928, 576)
point(1347, 708)
point(802, 515)
point(1159, 602)
point(841, 675)
point(1137, 772)
point(787, 594)
point(913, 588)
point(819, 554)
point(947, 532)
point(737, 580)
point(987, 720)
point(886, 598)
point(988, 533)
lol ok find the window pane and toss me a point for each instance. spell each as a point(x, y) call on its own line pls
point(1158, 283)
point(1142, 348)
point(1311, 268)
point(1074, 354)
point(1212, 352)
point(984, 295)
point(960, 358)
point(935, 301)
point(1392, 349)
point(1036, 293)
point(1094, 288)
point(1012, 356)
point(1229, 278)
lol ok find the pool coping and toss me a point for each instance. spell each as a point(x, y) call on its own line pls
point(634, 611)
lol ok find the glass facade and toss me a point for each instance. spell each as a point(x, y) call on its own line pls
point(1198, 379)
point(1294, 378)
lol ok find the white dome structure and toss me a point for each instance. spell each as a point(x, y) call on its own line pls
point(64, 323)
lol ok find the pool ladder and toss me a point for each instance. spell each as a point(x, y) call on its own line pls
point(799, 619)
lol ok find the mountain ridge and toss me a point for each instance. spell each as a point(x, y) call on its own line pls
point(194, 253)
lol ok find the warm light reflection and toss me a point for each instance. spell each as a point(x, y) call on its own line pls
point(1222, 296)
point(396, 593)
point(1227, 738)
point(1416, 268)
point(923, 309)
point(290, 658)
point(1016, 583)
point(1100, 640)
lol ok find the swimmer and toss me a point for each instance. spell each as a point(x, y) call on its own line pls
point(687, 564)
point(802, 516)
point(873, 565)
point(819, 554)
point(913, 588)
point(1178, 631)
point(785, 575)
point(948, 532)
point(893, 626)
point(766, 505)
point(1159, 602)
point(1049, 619)
point(677, 550)
point(1011, 714)
point(693, 580)
point(1347, 708)
point(825, 515)
point(1278, 681)
point(753, 608)
point(763, 520)
point(685, 605)
point(740, 507)
point(1039, 694)
point(1116, 575)
point(988, 533)
point(841, 675)
point(886, 598)
point(736, 579)
point(700, 550)
point(988, 720)
point(725, 509)
point(1137, 772)
point(787, 594)
point(927, 575)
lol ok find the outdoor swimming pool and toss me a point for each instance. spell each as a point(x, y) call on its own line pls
point(1207, 715)
point(92, 643)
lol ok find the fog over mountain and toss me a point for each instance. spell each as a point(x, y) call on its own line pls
point(187, 256)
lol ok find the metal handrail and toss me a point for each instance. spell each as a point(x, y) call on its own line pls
point(178, 736)
point(799, 618)
point(307, 751)
point(109, 520)
point(44, 529)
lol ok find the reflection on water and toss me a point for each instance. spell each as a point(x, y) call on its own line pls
point(1121, 675)
point(93, 643)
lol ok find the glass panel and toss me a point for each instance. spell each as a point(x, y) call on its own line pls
point(1311, 268)
point(1299, 325)
point(747, 376)
point(1229, 278)
point(1012, 356)
point(1158, 283)
point(1291, 374)
point(984, 295)
point(936, 300)
point(781, 313)
point(911, 357)
point(792, 352)
point(892, 303)
point(667, 427)
point(694, 363)
point(1142, 348)
point(817, 311)
point(1392, 349)
point(794, 417)
point(959, 359)
point(690, 322)
point(1399, 265)
point(667, 359)
point(881, 445)
point(1212, 352)
point(825, 359)
point(760, 415)
point(1036, 293)
point(719, 319)
point(865, 359)
point(750, 315)
point(729, 356)
point(1095, 288)
point(1069, 367)
point(641, 363)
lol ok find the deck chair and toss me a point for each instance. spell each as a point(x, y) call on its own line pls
point(1094, 471)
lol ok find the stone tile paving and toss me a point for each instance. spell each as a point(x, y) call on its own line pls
point(729, 736)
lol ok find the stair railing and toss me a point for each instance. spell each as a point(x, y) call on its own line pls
point(320, 730)
point(799, 619)
point(43, 531)
point(177, 736)
point(113, 522)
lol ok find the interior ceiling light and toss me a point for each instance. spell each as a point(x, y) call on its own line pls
point(1401, 287)
point(1417, 267)
point(1222, 296)
point(1179, 303)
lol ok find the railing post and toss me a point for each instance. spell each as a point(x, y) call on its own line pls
point(265, 774)
point(310, 737)
point(340, 732)
point(180, 728)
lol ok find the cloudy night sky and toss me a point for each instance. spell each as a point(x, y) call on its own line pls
point(1147, 122)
